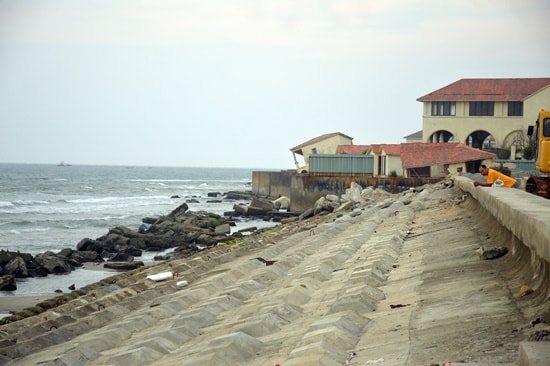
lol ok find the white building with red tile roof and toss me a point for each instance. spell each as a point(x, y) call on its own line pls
point(474, 111)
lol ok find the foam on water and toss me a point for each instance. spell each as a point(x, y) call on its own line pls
point(48, 208)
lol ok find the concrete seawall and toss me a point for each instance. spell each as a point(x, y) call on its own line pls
point(526, 218)
point(392, 282)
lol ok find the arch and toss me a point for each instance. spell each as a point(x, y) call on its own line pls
point(482, 140)
point(516, 141)
point(441, 136)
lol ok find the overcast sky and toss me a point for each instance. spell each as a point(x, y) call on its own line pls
point(222, 83)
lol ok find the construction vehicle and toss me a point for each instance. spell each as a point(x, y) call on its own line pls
point(540, 185)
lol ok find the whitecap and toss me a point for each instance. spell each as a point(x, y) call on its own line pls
point(30, 202)
point(6, 204)
point(71, 226)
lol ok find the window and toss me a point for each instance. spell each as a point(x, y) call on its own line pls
point(314, 151)
point(546, 127)
point(515, 108)
point(443, 108)
point(482, 108)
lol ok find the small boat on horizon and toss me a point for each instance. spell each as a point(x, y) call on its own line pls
point(64, 164)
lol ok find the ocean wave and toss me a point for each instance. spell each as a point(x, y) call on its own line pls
point(25, 231)
point(30, 202)
point(6, 204)
point(115, 199)
point(160, 180)
point(67, 226)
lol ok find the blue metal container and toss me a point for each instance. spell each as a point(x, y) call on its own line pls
point(341, 164)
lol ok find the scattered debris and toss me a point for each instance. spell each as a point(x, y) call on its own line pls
point(525, 290)
point(540, 335)
point(491, 253)
point(267, 262)
point(374, 362)
point(350, 356)
point(458, 201)
point(160, 276)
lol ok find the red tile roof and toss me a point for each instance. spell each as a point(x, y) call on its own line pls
point(375, 148)
point(317, 139)
point(495, 90)
point(419, 154)
point(389, 149)
point(352, 149)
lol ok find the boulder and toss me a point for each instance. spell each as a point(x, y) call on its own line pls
point(282, 203)
point(53, 263)
point(114, 239)
point(333, 198)
point(353, 193)
point(180, 210)
point(122, 257)
point(6, 256)
point(149, 220)
point(87, 244)
point(261, 204)
point(17, 268)
point(222, 229)
point(7, 283)
point(319, 205)
point(87, 256)
point(240, 209)
point(306, 214)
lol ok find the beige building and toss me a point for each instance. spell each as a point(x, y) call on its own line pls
point(324, 144)
point(488, 114)
point(387, 159)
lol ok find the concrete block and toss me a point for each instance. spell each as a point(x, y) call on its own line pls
point(359, 303)
point(138, 356)
point(534, 354)
point(321, 272)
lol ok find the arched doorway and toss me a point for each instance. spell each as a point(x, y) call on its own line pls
point(441, 136)
point(481, 140)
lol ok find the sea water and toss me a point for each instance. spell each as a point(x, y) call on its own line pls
point(51, 207)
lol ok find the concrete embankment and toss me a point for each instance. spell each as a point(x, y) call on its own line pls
point(397, 282)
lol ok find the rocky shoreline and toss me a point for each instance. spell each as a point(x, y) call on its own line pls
point(120, 248)
point(324, 209)
point(186, 232)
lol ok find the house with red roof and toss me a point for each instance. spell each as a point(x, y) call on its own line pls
point(323, 144)
point(387, 159)
point(441, 159)
point(489, 114)
point(420, 159)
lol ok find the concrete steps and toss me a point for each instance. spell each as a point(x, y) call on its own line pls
point(314, 300)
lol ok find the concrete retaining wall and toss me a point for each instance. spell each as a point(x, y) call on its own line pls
point(527, 216)
point(304, 189)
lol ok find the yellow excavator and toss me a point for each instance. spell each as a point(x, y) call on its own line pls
point(540, 185)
